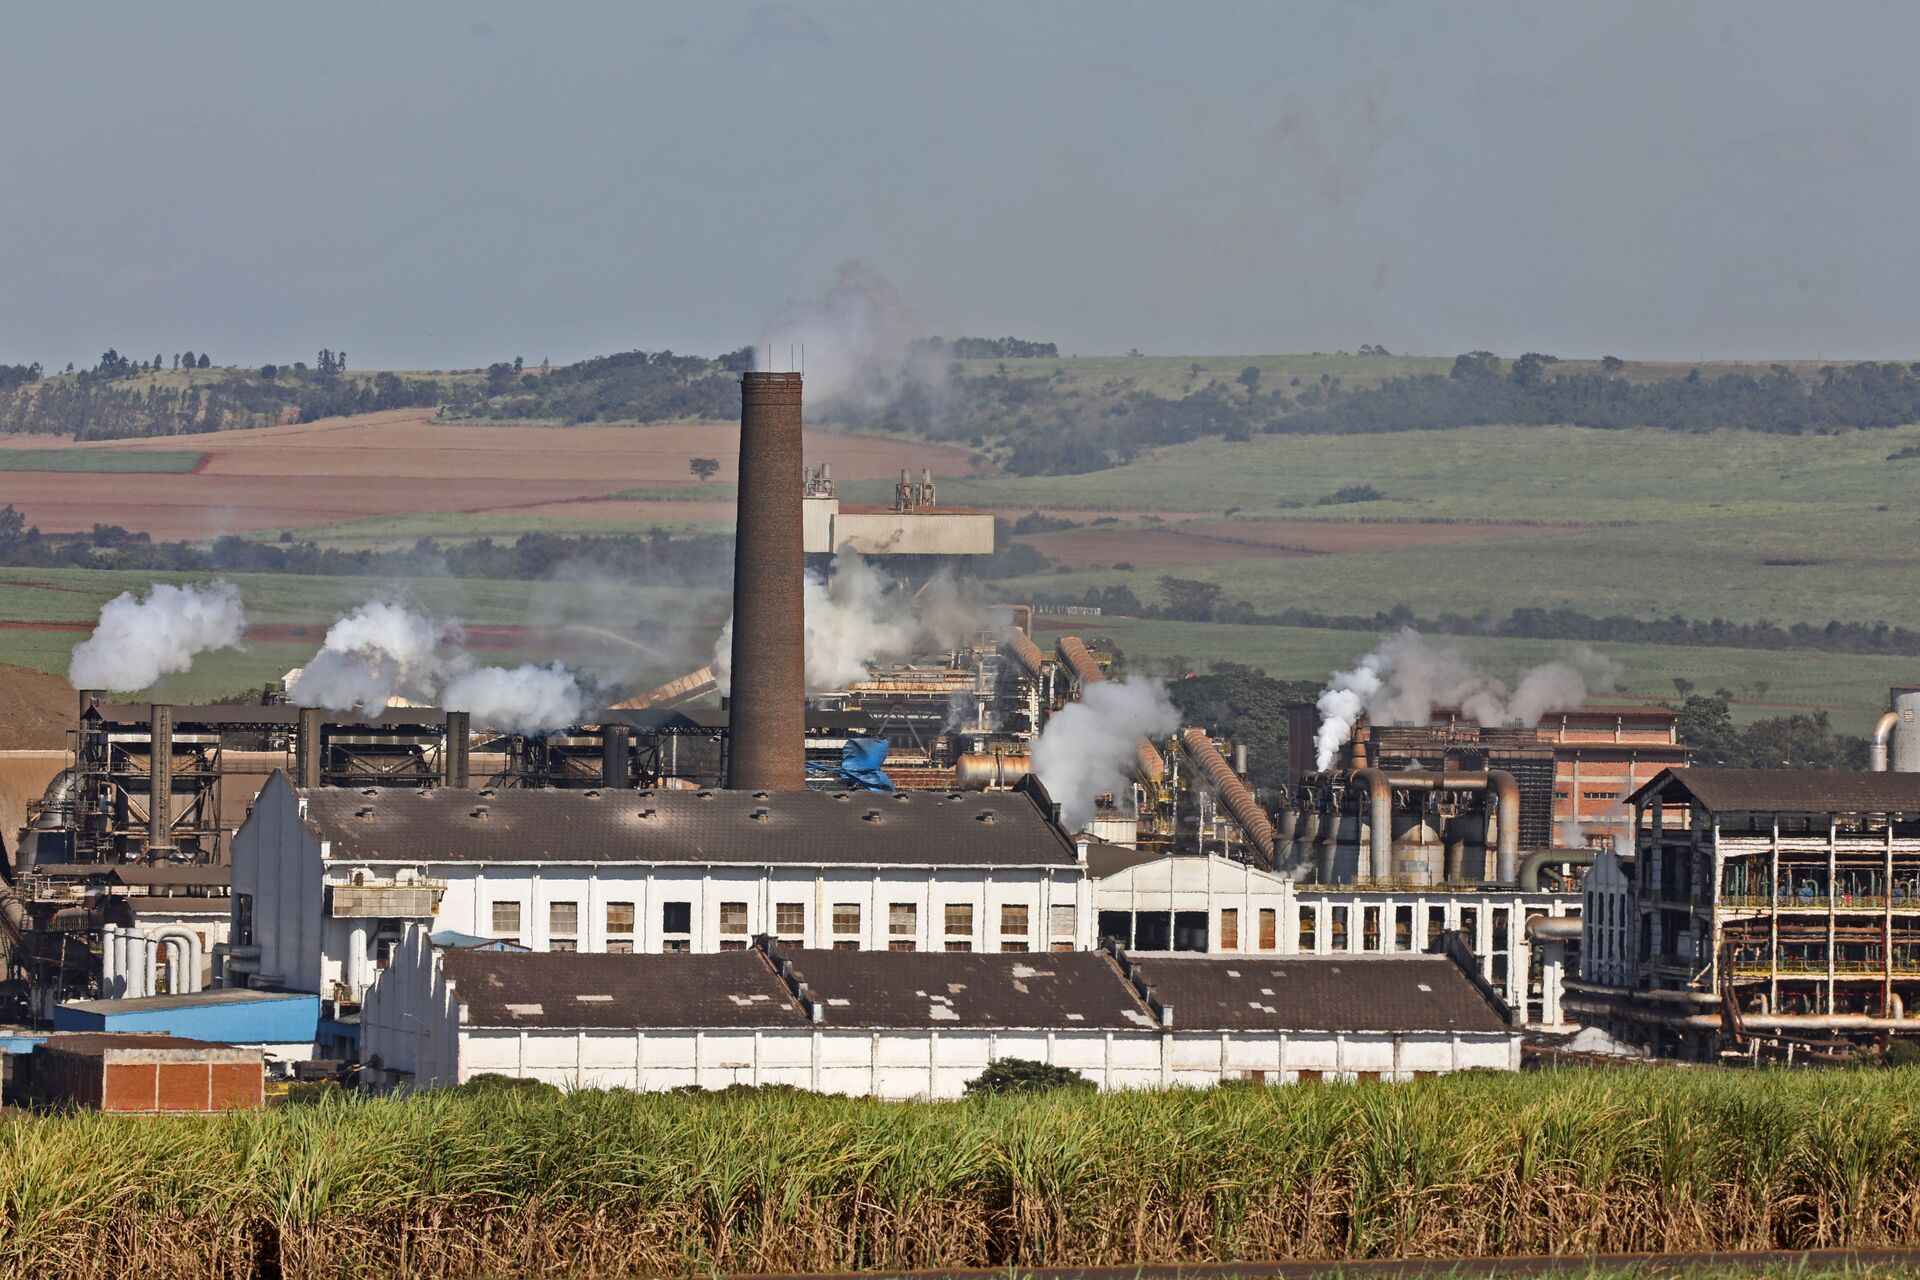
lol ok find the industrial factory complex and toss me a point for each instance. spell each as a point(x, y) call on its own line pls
point(868, 889)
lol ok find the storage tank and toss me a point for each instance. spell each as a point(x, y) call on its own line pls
point(1417, 851)
point(1906, 733)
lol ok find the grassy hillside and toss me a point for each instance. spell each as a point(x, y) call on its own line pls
point(105, 461)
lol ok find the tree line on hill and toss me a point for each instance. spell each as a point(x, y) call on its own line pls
point(530, 557)
point(110, 401)
point(1191, 600)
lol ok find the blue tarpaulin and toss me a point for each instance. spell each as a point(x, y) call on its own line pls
point(860, 761)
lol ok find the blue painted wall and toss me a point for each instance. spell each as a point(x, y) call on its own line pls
point(281, 1019)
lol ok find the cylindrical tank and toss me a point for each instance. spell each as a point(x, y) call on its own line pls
point(766, 750)
point(981, 771)
point(1417, 848)
point(1906, 735)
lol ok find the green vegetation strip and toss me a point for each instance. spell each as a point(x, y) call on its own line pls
point(124, 461)
point(533, 1183)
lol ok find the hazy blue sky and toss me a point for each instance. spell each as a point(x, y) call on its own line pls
point(434, 184)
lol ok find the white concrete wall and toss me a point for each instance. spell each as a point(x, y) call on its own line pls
point(277, 862)
point(412, 1026)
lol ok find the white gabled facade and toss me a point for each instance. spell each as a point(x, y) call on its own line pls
point(305, 919)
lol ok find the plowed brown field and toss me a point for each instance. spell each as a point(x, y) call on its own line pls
point(403, 463)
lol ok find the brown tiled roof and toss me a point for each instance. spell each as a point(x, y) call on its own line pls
point(563, 989)
point(1792, 790)
point(804, 827)
point(1066, 990)
point(1318, 993)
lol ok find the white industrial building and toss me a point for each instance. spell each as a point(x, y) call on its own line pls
point(1216, 905)
point(920, 1025)
point(325, 881)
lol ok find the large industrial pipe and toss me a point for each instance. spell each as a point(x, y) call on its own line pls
point(1882, 736)
point(1528, 881)
point(1234, 794)
point(1077, 659)
point(980, 771)
point(1025, 654)
point(767, 711)
point(1506, 790)
point(159, 779)
point(307, 748)
point(456, 755)
point(1379, 789)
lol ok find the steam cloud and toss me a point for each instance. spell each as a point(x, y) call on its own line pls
point(382, 650)
point(138, 641)
point(854, 620)
point(1086, 747)
point(523, 699)
point(371, 654)
point(858, 339)
point(1405, 678)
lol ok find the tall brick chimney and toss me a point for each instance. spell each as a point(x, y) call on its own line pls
point(767, 716)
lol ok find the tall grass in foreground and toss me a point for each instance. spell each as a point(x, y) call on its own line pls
point(616, 1184)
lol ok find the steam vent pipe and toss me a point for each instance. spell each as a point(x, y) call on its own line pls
point(1882, 735)
point(1234, 794)
point(766, 750)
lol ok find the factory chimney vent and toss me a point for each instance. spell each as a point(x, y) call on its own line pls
point(767, 710)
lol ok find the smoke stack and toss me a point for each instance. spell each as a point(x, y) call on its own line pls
point(767, 713)
point(159, 780)
point(307, 748)
point(455, 756)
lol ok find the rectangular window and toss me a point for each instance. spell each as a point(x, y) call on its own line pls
point(1269, 928)
point(1307, 915)
point(619, 917)
point(676, 944)
point(1064, 924)
point(1013, 922)
point(733, 944)
point(676, 917)
point(733, 918)
point(563, 919)
point(903, 920)
point(506, 917)
point(1230, 928)
point(563, 944)
point(959, 946)
point(959, 916)
point(846, 944)
point(790, 920)
point(846, 919)
point(1061, 946)
point(624, 947)
point(900, 945)
point(1014, 944)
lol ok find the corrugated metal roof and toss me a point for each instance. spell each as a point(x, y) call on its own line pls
point(803, 827)
point(1065, 990)
point(1791, 790)
point(1319, 993)
point(565, 989)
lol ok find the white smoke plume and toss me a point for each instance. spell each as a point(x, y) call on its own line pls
point(855, 619)
point(1087, 746)
point(378, 651)
point(1405, 678)
point(858, 344)
point(523, 699)
point(139, 640)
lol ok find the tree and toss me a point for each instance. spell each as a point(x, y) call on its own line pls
point(13, 525)
point(1682, 686)
point(268, 372)
point(156, 364)
point(1250, 379)
point(1023, 1075)
point(176, 360)
point(205, 361)
point(1189, 600)
point(518, 364)
point(703, 468)
point(1612, 364)
point(186, 359)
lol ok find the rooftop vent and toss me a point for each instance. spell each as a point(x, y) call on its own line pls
point(871, 815)
point(760, 814)
point(479, 810)
point(900, 797)
point(759, 795)
point(592, 793)
point(841, 796)
point(364, 811)
point(370, 791)
point(985, 815)
point(648, 812)
point(486, 791)
point(704, 795)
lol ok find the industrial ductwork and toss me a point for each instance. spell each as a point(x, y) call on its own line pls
point(1235, 796)
point(1407, 855)
point(1025, 654)
point(1148, 768)
point(998, 771)
point(767, 706)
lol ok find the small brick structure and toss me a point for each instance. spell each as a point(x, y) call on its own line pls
point(110, 1071)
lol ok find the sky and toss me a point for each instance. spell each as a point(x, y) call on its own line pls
point(436, 185)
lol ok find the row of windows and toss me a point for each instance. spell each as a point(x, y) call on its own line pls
point(790, 921)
